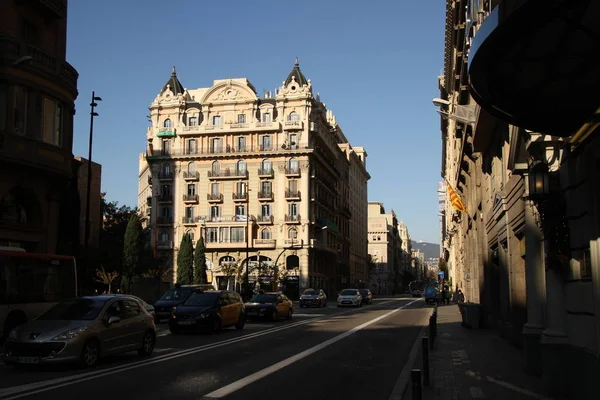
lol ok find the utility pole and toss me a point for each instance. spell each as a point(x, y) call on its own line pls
point(86, 243)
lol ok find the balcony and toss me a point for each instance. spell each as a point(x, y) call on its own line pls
point(43, 63)
point(265, 196)
point(149, 201)
point(190, 220)
point(292, 171)
point(239, 197)
point(293, 125)
point(190, 198)
point(295, 243)
point(225, 244)
point(165, 198)
point(164, 245)
point(165, 176)
point(228, 174)
point(234, 220)
point(292, 219)
point(166, 132)
point(265, 243)
point(164, 221)
point(265, 173)
point(292, 195)
point(214, 197)
point(264, 219)
point(230, 127)
point(191, 176)
point(149, 179)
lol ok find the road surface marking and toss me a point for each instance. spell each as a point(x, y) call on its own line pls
point(28, 389)
point(241, 383)
point(310, 315)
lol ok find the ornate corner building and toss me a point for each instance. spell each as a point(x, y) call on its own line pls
point(521, 147)
point(38, 192)
point(266, 180)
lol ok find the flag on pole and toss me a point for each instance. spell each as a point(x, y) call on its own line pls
point(455, 199)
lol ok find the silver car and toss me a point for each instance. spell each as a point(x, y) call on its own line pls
point(83, 330)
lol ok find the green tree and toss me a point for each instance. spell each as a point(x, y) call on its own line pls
point(156, 269)
point(185, 261)
point(200, 262)
point(132, 249)
point(443, 266)
point(112, 235)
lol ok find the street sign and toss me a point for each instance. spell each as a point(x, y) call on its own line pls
point(441, 275)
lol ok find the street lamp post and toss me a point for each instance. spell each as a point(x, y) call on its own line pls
point(93, 114)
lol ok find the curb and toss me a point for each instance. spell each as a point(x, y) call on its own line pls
point(404, 379)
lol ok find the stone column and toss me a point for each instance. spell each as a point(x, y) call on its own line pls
point(535, 276)
point(554, 338)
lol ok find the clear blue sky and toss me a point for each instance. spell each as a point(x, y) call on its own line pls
point(374, 63)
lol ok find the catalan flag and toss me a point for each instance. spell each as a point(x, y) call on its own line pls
point(455, 199)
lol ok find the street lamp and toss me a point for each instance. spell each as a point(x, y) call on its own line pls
point(93, 114)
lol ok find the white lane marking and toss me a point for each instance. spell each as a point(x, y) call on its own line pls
point(28, 389)
point(518, 389)
point(241, 383)
point(310, 315)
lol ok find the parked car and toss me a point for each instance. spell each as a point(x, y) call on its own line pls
point(349, 297)
point(208, 310)
point(272, 305)
point(367, 296)
point(83, 330)
point(313, 297)
point(172, 298)
point(148, 307)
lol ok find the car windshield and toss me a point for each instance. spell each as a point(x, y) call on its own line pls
point(348, 292)
point(311, 293)
point(81, 309)
point(202, 299)
point(177, 294)
point(263, 298)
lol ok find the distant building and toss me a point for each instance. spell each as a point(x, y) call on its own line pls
point(385, 248)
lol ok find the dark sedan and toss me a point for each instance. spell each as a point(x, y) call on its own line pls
point(313, 297)
point(171, 299)
point(212, 310)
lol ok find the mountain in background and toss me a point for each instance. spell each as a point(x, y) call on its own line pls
point(431, 250)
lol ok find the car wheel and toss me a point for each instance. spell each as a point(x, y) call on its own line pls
point(90, 354)
point(274, 316)
point(289, 315)
point(241, 322)
point(217, 325)
point(147, 344)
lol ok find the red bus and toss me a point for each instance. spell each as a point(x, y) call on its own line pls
point(30, 283)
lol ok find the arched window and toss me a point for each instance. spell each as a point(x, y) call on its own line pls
point(293, 233)
point(190, 233)
point(292, 262)
point(226, 259)
point(168, 123)
point(241, 167)
point(191, 167)
point(265, 233)
point(216, 167)
point(293, 116)
point(266, 166)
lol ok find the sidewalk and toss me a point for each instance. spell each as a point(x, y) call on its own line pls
point(474, 364)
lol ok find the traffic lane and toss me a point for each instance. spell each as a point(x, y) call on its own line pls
point(166, 343)
point(190, 375)
point(365, 365)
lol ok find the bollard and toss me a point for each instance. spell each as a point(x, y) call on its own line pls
point(431, 334)
point(416, 384)
point(425, 355)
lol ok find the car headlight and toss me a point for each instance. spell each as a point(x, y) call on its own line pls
point(73, 333)
point(204, 315)
point(12, 334)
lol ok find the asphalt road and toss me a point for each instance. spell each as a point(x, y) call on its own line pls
point(322, 353)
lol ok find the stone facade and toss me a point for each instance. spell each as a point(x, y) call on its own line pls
point(385, 248)
point(270, 180)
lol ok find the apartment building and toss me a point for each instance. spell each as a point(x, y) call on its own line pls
point(271, 184)
point(385, 248)
point(520, 142)
point(38, 88)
